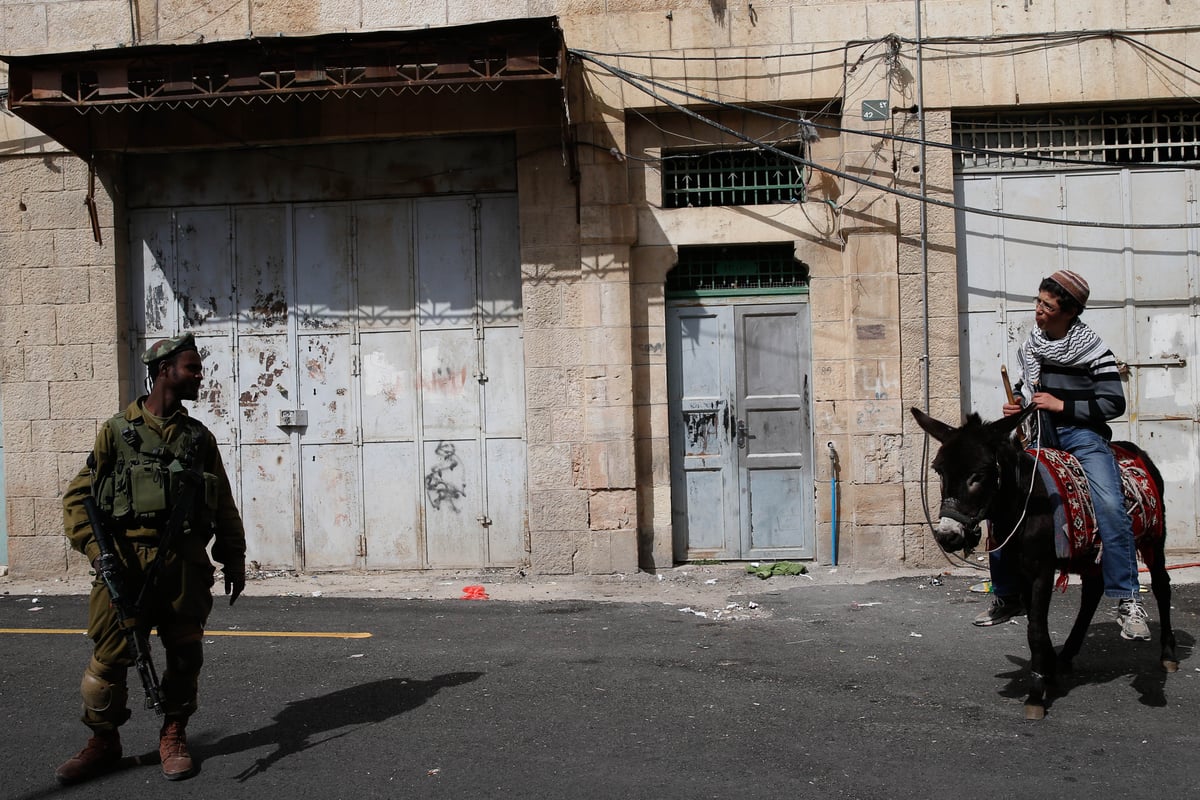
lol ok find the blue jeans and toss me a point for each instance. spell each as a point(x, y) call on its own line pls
point(1118, 562)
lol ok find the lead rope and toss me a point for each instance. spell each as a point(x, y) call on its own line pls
point(1037, 449)
point(925, 507)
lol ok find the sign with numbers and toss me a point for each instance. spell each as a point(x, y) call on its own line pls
point(874, 110)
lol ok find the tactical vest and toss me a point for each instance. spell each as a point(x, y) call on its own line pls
point(147, 473)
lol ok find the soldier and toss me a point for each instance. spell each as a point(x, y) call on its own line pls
point(133, 473)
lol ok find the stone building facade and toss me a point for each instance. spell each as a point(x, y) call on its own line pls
point(866, 93)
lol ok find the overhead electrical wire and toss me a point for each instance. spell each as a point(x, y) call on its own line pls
point(1065, 37)
point(1033, 155)
point(645, 84)
point(734, 57)
point(1125, 35)
point(1144, 46)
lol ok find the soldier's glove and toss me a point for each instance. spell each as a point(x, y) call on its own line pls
point(235, 582)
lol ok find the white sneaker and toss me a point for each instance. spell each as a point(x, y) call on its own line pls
point(1135, 622)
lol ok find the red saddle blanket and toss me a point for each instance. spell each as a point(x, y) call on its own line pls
point(1075, 537)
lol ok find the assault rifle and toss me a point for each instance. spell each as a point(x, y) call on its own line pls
point(108, 568)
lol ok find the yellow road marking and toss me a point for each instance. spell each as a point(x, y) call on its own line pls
point(293, 634)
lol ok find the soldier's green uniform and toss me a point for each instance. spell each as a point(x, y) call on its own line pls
point(130, 474)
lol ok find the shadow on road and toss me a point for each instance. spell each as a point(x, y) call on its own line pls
point(301, 723)
point(1103, 661)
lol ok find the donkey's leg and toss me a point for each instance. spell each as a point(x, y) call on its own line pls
point(1089, 601)
point(1041, 649)
point(1160, 582)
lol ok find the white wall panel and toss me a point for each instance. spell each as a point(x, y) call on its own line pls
point(506, 523)
point(393, 505)
point(268, 504)
point(155, 309)
point(389, 393)
point(332, 500)
point(1143, 301)
point(204, 262)
point(363, 359)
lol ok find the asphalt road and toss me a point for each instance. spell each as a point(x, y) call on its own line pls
point(881, 690)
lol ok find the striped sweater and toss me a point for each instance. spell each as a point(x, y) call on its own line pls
point(1092, 393)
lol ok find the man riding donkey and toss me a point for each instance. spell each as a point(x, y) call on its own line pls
point(156, 477)
point(1073, 377)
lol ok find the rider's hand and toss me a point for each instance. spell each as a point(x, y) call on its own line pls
point(1011, 408)
point(1048, 402)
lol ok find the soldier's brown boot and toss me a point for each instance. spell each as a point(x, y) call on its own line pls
point(177, 762)
point(101, 754)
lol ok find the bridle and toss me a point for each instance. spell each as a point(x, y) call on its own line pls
point(950, 507)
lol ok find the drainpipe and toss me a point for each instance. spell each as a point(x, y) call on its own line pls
point(134, 39)
point(833, 500)
point(924, 213)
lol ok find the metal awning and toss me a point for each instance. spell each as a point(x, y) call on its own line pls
point(276, 89)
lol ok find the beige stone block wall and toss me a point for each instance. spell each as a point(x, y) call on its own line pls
point(583, 507)
point(869, 545)
point(594, 256)
point(885, 18)
point(649, 267)
point(82, 24)
point(957, 17)
point(875, 356)
point(1018, 18)
point(929, 324)
point(58, 342)
point(184, 21)
point(829, 22)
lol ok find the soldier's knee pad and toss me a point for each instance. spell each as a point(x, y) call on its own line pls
point(105, 702)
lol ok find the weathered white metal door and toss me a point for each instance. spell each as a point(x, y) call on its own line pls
point(364, 372)
point(741, 435)
point(1143, 301)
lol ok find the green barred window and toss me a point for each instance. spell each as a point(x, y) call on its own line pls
point(727, 177)
point(736, 269)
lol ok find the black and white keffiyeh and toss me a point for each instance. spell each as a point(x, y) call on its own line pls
point(1079, 347)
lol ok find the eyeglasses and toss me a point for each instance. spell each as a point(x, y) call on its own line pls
point(1042, 305)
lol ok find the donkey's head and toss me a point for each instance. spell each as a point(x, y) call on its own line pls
point(969, 465)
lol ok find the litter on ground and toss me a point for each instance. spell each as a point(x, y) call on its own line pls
point(765, 571)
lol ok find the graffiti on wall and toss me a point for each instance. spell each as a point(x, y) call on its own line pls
point(443, 483)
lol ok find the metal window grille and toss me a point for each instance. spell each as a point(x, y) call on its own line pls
point(748, 177)
point(734, 269)
point(1099, 137)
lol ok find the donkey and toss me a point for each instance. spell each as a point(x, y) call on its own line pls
point(985, 475)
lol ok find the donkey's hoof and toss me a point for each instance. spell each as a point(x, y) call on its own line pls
point(1170, 666)
point(1034, 712)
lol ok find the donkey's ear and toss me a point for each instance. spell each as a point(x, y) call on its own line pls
point(1006, 425)
point(935, 428)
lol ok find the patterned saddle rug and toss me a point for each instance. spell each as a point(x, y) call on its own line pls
point(1075, 535)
